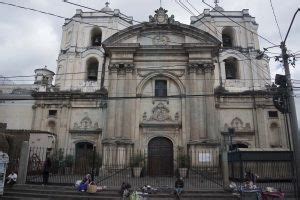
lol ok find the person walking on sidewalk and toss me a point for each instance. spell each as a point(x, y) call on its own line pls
point(46, 170)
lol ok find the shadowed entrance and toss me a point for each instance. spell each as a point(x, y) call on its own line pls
point(160, 157)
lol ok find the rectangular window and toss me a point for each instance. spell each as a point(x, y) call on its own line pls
point(161, 88)
point(273, 114)
point(52, 113)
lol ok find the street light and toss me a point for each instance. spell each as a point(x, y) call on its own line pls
point(291, 105)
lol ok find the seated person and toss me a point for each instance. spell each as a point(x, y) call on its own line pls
point(179, 186)
point(85, 183)
point(11, 179)
point(125, 189)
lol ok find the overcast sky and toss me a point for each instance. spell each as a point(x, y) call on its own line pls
point(30, 40)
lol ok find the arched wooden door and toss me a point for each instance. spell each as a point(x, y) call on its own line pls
point(84, 156)
point(160, 157)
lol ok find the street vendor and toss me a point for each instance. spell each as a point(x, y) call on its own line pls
point(11, 179)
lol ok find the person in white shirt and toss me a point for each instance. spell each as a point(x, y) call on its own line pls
point(12, 178)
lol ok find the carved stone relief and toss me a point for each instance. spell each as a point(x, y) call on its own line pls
point(201, 67)
point(238, 125)
point(86, 124)
point(161, 17)
point(160, 113)
point(121, 67)
point(174, 72)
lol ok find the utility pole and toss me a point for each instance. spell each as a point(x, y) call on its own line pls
point(291, 107)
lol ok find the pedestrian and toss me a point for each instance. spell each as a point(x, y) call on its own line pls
point(179, 184)
point(125, 190)
point(85, 183)
point(46, 170)
point(251, 177)
point(11, 179)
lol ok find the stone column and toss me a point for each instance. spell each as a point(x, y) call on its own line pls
point(111, 110)
point(128, 106)
point(202, 117)
point(261, 134)
point(194, 115)
point(120, 103)
point(209, 101)
point(23, 164)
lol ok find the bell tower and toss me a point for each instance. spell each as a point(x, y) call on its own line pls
point(81, 57)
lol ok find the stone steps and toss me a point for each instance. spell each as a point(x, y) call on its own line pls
point(36, 192)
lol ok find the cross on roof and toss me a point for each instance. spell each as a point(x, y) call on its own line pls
point(216, 2)
point(107, 3)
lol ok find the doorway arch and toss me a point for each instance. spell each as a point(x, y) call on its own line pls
point(160, 157)
point(83, 157)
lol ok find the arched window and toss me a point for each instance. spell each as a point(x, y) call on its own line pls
point(161, 88)
point(92, 69)
point(96, 36)
point(228, 37)
point(275, 135)
point(231, 69)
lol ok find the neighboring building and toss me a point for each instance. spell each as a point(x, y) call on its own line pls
point(157, 85)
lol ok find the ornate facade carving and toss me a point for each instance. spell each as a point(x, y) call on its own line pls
point(238, 125)
point(121, 67)
point(174, 72)
point(160, 113)
point(202, 67)
point(161, 17)
point(85, 124)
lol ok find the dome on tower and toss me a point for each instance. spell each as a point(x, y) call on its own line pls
point(106, 8)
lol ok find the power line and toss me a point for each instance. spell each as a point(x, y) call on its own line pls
point(71, 19)
point(47, 13)
point(276, 20)
point(51, 14)
point(239, 23)
point(258, 66)
point(93, 95)
point(184, 7)
point(100, 11)
point(193, 7)
point(159, 68)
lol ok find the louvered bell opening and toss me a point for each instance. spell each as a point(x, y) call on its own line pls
point(230, 72)
point(97, 41)
point(227, 42)
point(92, 76)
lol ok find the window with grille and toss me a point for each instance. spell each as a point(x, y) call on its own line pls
point(231, 68)
point(273, 114)
point(52, 112)
point(161, 88)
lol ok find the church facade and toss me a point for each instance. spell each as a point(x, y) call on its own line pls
point(158, 86)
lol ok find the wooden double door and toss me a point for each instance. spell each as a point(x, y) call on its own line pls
point(160, 157)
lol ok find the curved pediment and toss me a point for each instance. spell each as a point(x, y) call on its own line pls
point(161, 34)
point(153, 33)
